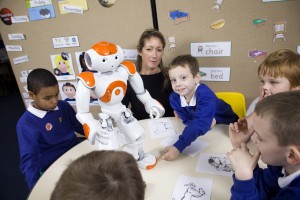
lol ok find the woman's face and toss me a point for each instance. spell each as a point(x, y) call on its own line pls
point(151, 53)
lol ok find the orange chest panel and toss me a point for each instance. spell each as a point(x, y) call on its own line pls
point(113, 89)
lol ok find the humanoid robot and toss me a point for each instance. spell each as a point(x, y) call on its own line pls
point(109, 84)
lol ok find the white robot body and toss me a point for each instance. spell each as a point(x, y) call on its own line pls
point(109, 84)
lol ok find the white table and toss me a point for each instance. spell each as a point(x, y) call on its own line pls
point(161, 180)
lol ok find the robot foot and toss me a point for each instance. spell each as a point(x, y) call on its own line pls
point(147, 162)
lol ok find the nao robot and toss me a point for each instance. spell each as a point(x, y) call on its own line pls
point(109, 84)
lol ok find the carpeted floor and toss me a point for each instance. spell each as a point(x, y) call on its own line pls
point(12, 183)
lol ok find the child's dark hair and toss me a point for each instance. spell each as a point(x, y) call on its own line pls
point(39, 78)
point(185, 61)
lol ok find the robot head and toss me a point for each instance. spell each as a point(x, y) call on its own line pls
point(104, 57)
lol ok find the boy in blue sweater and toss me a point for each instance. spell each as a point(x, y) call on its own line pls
point(195, 103)
point(277, 139)
point(47, 129)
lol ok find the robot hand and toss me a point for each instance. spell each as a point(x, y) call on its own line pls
point(90, 125)
point(154, 113)
point(152, 106)
point(106, 139)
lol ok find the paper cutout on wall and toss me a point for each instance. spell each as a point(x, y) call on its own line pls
point(257, 55)
point(72, 6)
point(178, 16)
point(172, 42)
point(20, 59)
point(67, 41)
point(217, 24)
point(215, 73)
point(218, 4)
point(62, 66)
point(6, 15)
point(259, 22)
point(19, 19)
point(279, 29)
point(68, 91)
point(39, 10)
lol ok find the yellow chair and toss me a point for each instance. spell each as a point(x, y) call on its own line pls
point(236, 100)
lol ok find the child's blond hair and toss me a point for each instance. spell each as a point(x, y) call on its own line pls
point(282, 63)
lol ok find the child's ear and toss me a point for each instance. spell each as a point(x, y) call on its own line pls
point(31, 95)
point(197, 78)
point(294, 155)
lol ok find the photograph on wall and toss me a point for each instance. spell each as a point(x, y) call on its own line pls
point(39, 10)
point(62, 66)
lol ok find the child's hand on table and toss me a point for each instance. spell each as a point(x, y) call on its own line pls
point(170, 153)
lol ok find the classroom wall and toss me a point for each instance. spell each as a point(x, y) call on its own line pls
point(121, 24)
point(125, 21)
point(238, 28)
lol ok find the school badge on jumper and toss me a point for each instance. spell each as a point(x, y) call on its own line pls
point(60, 119)
point(49, 126)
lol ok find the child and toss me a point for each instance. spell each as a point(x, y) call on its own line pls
point(47, 129)
point(195, 103)
point(279, 72)
point(109, 175)
point(277, 138)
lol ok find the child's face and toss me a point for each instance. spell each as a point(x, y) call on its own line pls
point(270, 85)
point(46, 99)
point(183, 82)
point(69, 91)
point(267, 143)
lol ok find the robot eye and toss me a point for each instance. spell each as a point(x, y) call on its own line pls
point(104, 60)
point(116, 57)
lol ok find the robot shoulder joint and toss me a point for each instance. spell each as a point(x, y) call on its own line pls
point(87, 78)
point(130, 66)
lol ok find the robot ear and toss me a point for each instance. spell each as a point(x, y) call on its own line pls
point(88, 61)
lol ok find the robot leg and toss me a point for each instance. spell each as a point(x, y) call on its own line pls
point(134, 134)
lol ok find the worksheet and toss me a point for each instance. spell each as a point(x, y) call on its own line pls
point(214, 164)
point(161, 127)
point(192, 188)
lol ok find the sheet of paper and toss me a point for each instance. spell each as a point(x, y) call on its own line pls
point(214, 164)
point(191, 150)
point(161, 127)
point(192, 188)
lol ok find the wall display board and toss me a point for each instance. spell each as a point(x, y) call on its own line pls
point(86, 23)
point(248, 25)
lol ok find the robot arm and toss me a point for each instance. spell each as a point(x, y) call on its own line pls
point(152, 106)
point(90, 125)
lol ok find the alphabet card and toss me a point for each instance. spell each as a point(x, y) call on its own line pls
point(192, 188)
point(211, 49)
point(215, 73)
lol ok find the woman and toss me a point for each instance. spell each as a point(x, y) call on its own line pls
point(149, 65)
